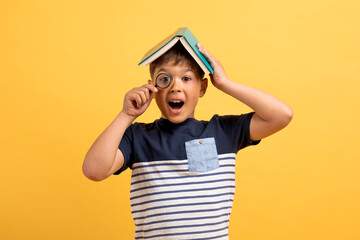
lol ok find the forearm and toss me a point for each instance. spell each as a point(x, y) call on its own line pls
point(266, 106)
point(101, 155)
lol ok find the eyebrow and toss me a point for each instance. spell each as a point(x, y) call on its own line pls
point(162, 70)
point(166, 70)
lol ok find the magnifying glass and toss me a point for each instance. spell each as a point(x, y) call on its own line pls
point(163, 81)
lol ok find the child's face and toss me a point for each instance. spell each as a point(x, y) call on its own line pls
point(178, 101)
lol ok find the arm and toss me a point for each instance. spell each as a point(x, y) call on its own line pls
point(104, 158)
point(271, 114)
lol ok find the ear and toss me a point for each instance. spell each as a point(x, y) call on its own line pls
point(204, 84)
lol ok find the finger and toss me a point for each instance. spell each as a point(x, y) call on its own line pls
point(210, 56)
point(200, 46)
point(202, 49)
point(207, 54)
point(138, 101)
point(148, 92)
point(138, 97)
point(151, 88)
point(141, 93)
point(132, 97)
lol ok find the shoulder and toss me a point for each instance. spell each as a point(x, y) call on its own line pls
point(229, 120)
point(138, 126)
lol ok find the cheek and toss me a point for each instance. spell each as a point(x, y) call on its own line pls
point(194, 97)
point(157, 100)
point(195, 92)
point(160, 99)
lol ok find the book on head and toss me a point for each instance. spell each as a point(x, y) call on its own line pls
point(189, 42)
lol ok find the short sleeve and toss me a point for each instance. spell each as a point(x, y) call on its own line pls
point(237, 127)
point(126, 147)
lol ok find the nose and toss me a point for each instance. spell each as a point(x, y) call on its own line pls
point(176, 86)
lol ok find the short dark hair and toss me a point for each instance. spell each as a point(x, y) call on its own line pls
point(179, 54)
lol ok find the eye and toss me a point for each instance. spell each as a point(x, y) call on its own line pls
point(186, 79)
point(165, 79)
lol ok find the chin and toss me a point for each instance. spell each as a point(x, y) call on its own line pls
point(176, 119)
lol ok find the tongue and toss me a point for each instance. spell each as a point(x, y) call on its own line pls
point(176, 105)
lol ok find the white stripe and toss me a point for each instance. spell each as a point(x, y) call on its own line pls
point(162, 188)
point(167, 179)
point(198, 218)
point(152, 205)
point(176, 176)
point(224, 206)
point(144, 198)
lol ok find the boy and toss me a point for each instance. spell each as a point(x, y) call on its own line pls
point(183, 170)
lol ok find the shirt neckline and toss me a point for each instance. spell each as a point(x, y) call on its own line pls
point(167, 122)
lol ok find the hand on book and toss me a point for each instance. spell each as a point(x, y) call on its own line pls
point(138, 100)
point(219, 75)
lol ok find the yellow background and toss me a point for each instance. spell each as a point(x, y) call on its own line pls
point(66, 65)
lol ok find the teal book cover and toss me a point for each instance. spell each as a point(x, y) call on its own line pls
point(190, 39)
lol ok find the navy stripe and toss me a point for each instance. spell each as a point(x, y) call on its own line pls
point(183, 226)
point(182, 177)
point(226, 158)
point(182, 219)
point(184, 190)
point(228, 165)
point(179, 184)
point(174, 164)
point(182, 212)
point(183, 233)
point(180, 205)
point(177, 198)
point(224, 235)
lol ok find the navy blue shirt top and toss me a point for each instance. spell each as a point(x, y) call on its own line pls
point(164, 140)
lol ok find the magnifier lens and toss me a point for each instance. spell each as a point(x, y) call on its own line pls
point(163, 80)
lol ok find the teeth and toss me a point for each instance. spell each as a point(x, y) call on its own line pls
point(175, 101)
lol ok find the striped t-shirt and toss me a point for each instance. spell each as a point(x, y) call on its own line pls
point(183, 175)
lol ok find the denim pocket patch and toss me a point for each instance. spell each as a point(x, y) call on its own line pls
point(202, 155)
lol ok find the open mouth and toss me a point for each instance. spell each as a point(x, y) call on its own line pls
point(176, 104)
